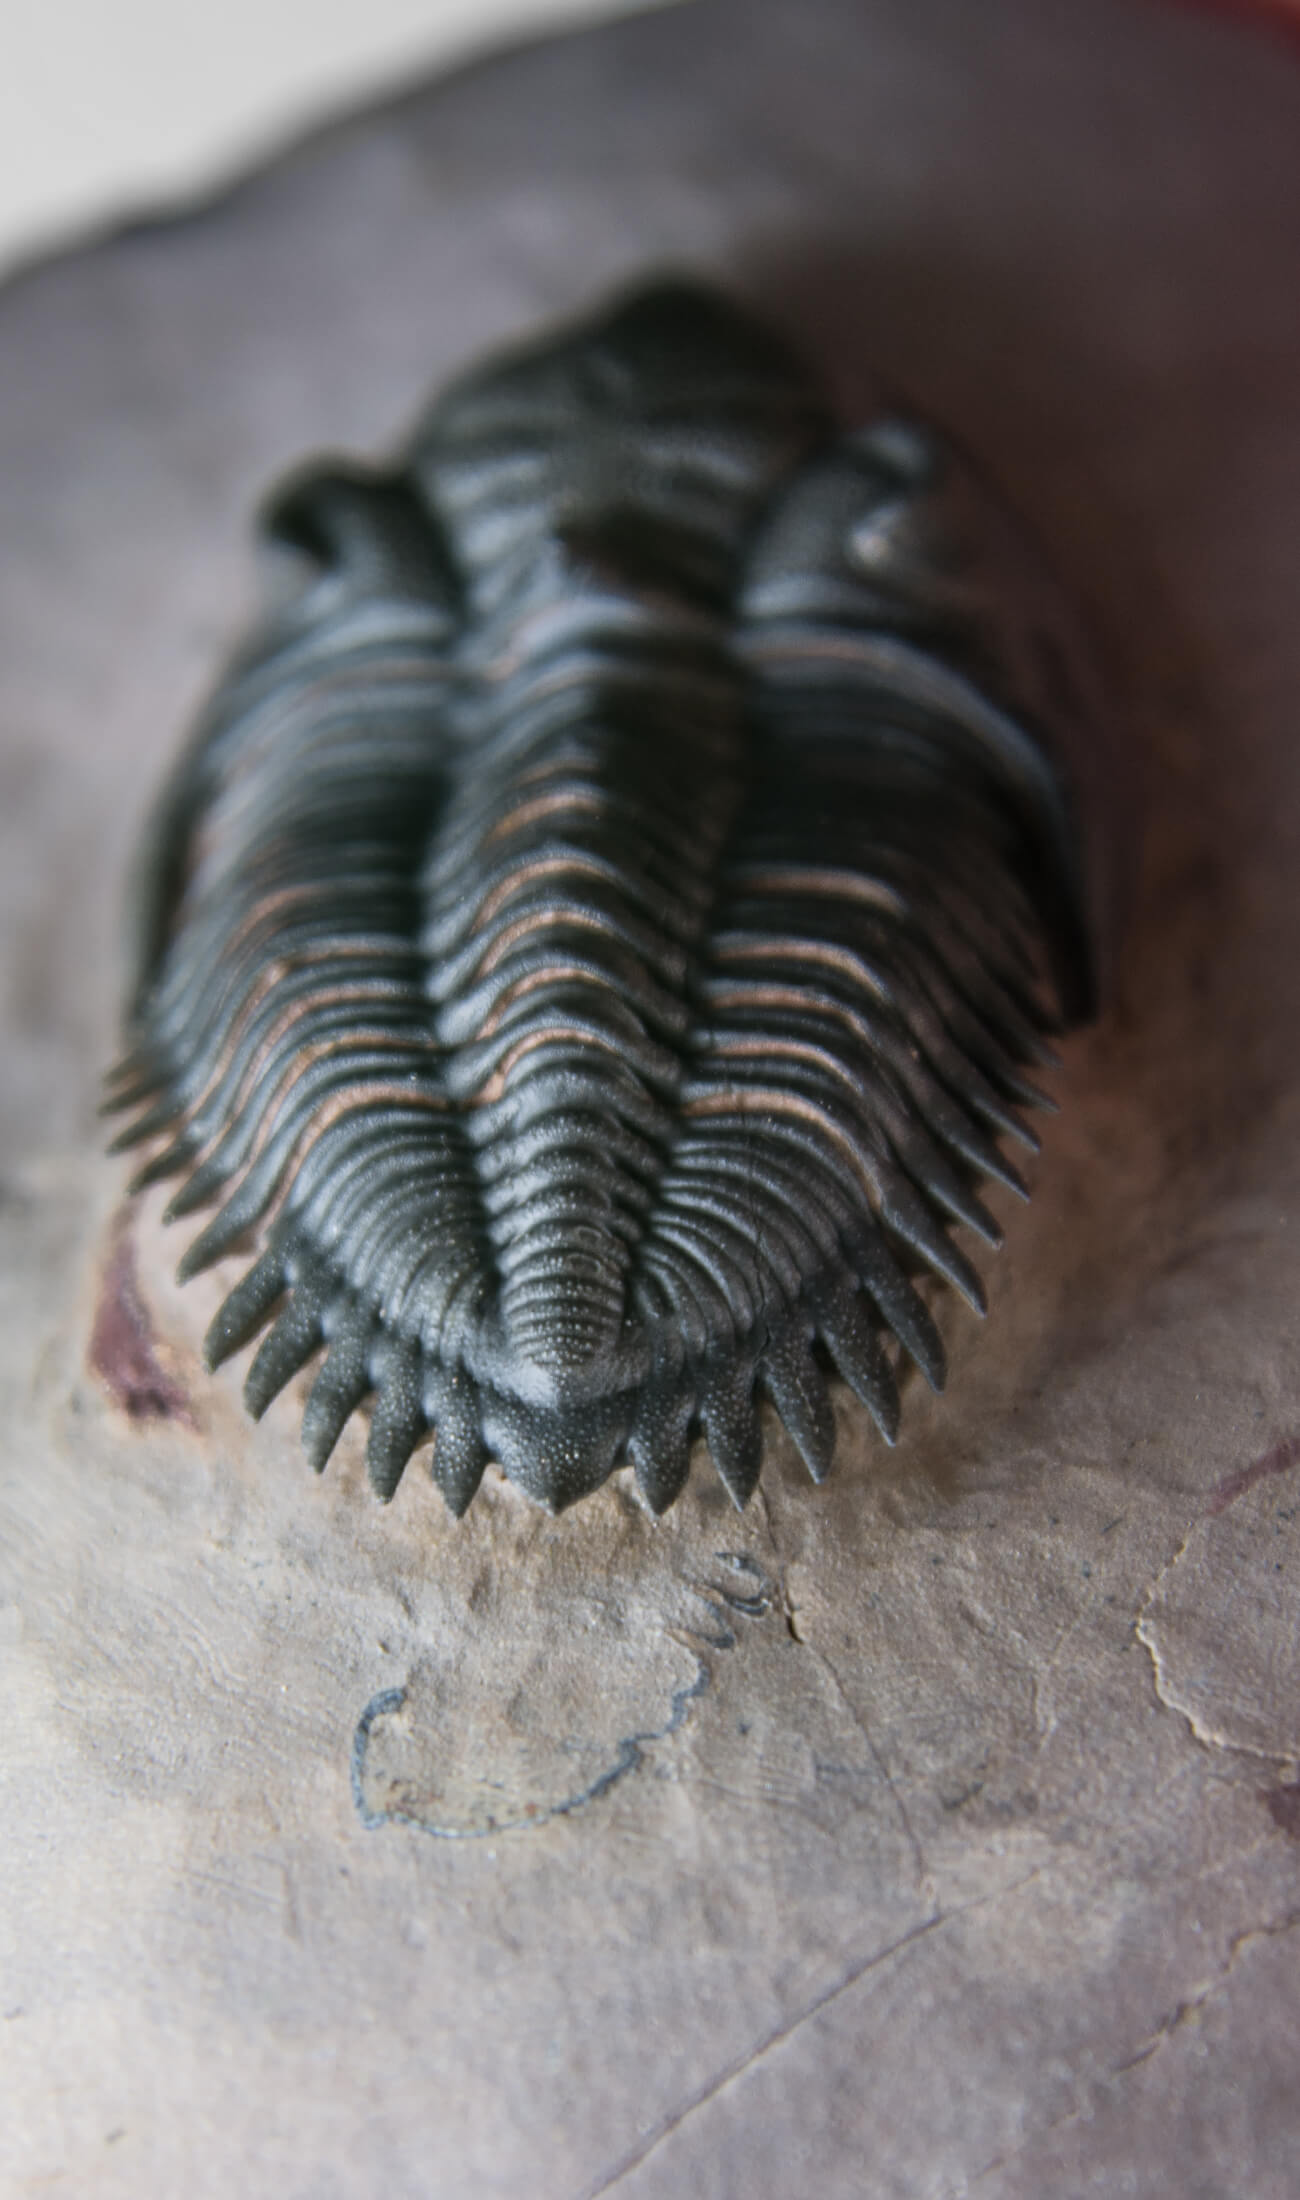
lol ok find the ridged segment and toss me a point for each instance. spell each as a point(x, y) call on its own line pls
point(599, 503)
point(286, 1048)
point(568, 905)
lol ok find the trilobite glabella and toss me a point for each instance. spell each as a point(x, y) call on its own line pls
point(593, 946)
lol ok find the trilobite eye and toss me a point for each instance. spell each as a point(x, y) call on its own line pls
point(903, 450)
point(598, 937)
point(872, 541)
point(357, 528)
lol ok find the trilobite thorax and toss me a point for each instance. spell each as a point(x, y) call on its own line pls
point(596, 938)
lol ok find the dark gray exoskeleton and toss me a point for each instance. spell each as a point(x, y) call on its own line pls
point(592, 947)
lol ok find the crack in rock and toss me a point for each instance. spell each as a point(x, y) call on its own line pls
point(1221, 1622)
point(504, 1788)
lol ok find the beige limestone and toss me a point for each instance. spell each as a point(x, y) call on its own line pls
point(936, 1833)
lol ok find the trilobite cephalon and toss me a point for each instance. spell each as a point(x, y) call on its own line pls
point(594, 941)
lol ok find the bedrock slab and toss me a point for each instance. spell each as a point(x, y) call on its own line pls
point(931, 1834)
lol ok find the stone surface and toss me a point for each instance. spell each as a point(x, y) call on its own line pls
point(932, 1834)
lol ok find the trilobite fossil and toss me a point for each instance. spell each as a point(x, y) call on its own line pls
point(593, 946)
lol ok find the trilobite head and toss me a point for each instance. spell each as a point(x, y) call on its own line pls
point(591, 952)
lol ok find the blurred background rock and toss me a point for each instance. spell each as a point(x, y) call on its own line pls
point(110, 111)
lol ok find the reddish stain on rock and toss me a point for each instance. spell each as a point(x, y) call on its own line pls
point(1283, 1806)
point(122, 1351)
point(1278, 1460)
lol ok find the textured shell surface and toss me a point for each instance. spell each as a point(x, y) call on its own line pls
point(592, 949)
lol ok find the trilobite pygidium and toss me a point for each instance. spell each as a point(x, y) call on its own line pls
point(594, 940)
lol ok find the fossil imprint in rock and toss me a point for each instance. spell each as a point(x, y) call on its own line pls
point(592, 947)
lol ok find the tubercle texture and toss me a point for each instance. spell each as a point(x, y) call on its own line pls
point(594, 945)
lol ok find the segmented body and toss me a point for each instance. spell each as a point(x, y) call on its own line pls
point(595, 941)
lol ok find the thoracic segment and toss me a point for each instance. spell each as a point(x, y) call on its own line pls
point(596, 985)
